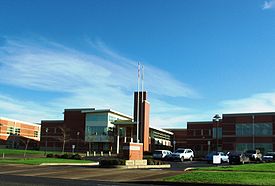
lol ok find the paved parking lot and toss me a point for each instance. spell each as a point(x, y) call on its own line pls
point(88, 173)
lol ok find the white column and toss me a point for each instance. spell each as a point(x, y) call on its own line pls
point(117, 145)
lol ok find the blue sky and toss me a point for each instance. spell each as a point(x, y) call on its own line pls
point(200, 57)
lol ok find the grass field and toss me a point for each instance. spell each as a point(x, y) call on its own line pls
point(249, 174)
point(16, 152)
point(38, 161)
point(261, 167)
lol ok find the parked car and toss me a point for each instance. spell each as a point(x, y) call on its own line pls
point(161, 154)
point(237, 158)
point(182, 154)
point(222, 156)
point(254, 155)
point(270, 156)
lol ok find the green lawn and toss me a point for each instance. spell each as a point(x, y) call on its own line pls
point(16, 152)
point(244, 178)
point(248, 174)
point(37, 161)
point(261, 167)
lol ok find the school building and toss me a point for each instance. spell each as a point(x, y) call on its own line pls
point(16, 134)
point(90, 129)
point(231, 132)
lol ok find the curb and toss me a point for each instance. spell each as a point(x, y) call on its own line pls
point(76, 164)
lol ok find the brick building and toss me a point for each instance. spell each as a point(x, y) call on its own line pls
point(89, 129)
point(15, 133)
point(231, 132)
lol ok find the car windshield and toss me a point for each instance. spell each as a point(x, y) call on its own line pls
point(179, 151)
point(157, 152)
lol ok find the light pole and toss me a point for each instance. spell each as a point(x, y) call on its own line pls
point(217, 118)
point(253, 135)
point(47, 129)
point(77, 141)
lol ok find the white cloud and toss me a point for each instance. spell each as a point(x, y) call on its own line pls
point(263, 102)
point(25, 110)
point(87, 79)
point(268, 4)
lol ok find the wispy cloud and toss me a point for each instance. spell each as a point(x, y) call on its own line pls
point(268, 4)
point(87, 79)
point(26, 110)
point(263, 102)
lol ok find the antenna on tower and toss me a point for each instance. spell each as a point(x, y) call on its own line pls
point(138, 103)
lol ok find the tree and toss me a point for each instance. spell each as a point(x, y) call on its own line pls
point(64, 136)
point(26, 142)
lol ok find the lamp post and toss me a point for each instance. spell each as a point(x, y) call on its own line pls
point(217, 118)
point(47, 129)
point(253, 132)
point(77, 141)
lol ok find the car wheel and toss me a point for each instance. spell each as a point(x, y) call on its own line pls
point(191, 158)
point(182, 159)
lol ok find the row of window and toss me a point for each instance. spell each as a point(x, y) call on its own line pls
point(257, 129)
point(17, 131)
point(102, 117)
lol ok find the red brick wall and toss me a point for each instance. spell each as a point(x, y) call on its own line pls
point(131, 152)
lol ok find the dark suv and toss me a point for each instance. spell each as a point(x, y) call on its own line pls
point(254, 155)
point(238, 157)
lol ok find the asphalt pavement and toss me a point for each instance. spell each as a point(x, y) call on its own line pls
point(88, 175)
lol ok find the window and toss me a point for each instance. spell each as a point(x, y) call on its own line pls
point(10, 130)
point(215, 135)
point(122, 131)
point(17, 131)
point(96, 130)
point(36, 134)
point(106, 146)
point(112, 118)
point(260, 129)
point(97, 117)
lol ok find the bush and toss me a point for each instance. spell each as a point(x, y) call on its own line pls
point(65, 156)
point(49, 156)
point(76, 157)
point(154, 162)
point(111, 162)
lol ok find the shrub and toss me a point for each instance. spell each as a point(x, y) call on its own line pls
point(49, 156)
point(111, 162)
point(57, 155)
point(154, 162)
point(76, 157)
point(65, 156)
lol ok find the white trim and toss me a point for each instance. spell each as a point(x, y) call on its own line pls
point(162, 130)
point(107, 110)
point(18, 121)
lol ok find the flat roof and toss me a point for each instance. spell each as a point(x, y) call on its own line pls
point(175, 129)
point(107, 110)
point(53, 121)
point(79, 109)
point(23, 122)
point(124, 122)
point(161, 130)
point(200, 122)
point(249, 114)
